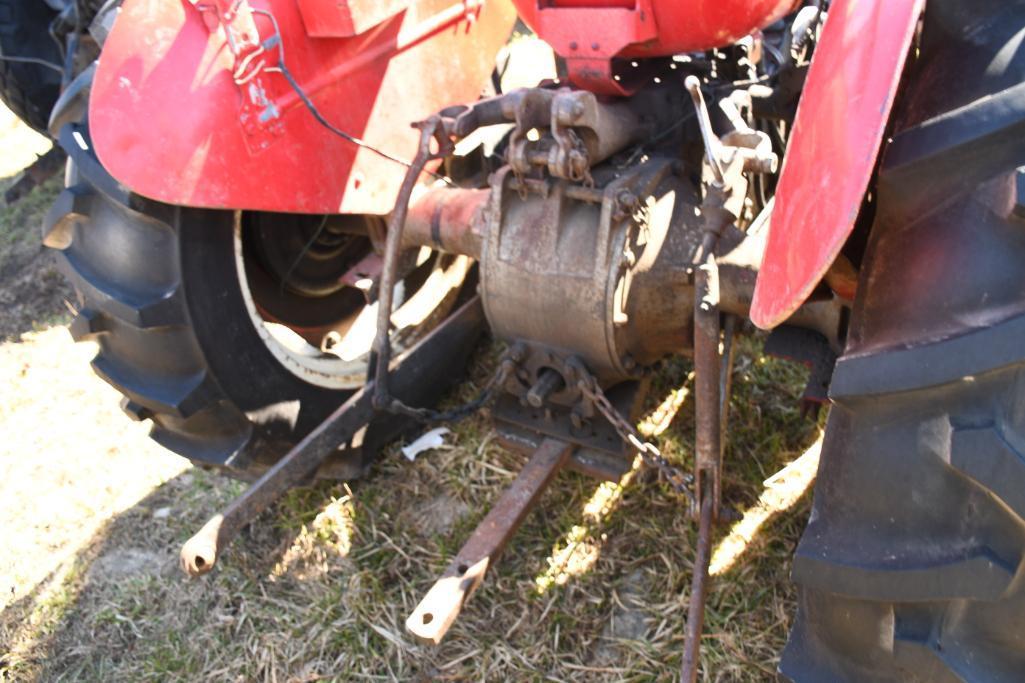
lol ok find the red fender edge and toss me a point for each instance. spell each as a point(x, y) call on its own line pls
point(841, 119)
point(180, 114)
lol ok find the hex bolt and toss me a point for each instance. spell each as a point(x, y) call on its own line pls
point(628, 199)
point(548, 382)
point(576, 419)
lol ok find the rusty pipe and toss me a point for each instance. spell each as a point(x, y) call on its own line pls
point(698, 595)
point(707, 360)
point(448, 219)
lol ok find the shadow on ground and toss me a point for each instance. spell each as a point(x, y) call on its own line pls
point(593, 588)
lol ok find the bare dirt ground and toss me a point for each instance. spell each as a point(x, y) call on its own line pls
point(593, 589)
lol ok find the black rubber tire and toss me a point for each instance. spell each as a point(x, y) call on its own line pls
point(911, 568)
point(28, 90)
point(158, 290)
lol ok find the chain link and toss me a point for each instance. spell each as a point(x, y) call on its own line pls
point(681, 482)
point(649, 452)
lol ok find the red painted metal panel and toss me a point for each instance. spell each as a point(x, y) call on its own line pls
point(590, 33)
point(170, 121)
point(345, 18)
point(833, 148)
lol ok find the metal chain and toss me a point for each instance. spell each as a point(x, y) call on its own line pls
point(649, 452)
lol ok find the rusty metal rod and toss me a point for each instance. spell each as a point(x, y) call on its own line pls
point(436, 613)
point(430, 129)
point(709, 402)
point(201, 552)
point(712, 144)
point(707, 361)
point(393, 244)
point(416, 375)
point(698, 595)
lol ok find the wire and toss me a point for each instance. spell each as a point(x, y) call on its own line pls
point(33, 60)
point(327, 124)
point(640, 149)
point(283, 69)
point(302, 254)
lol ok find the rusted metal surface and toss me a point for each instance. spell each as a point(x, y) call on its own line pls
point(607, 279)
point(730, 159)
point(430, 129)
point(548, 381)
point(660, 297)
point(707, 376)
point(698, 595)
point(712, 372)
point(448, 219)
point(578, 422)
point(600, 464)
point(416, 375)
point(581, 129)
point(711, 386)
point(436, 613)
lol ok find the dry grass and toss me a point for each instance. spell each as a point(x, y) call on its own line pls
point(20, 144)
point(593, 588)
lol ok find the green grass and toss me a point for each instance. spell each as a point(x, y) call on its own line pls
point(319, 587)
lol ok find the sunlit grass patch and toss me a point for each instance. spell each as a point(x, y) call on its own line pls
point(593, 587)
point(20, 144)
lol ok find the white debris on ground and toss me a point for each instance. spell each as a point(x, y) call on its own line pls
point(426, 442)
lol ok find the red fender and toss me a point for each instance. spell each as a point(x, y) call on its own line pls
point(589, 34)
point(181, 114)
point(833, 148)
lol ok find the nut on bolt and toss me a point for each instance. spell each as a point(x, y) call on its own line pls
point(548, 382)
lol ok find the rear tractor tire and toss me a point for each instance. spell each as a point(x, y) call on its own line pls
point(205, 320)
point(28, 89)
point(912, 567)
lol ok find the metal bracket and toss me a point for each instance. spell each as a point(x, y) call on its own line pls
point(436, 613)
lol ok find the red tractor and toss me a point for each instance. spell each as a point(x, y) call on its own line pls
point(289, 221)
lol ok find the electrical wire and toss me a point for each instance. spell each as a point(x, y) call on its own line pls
point(302, 254)
point(647, 145)
point(33, 60)
point(282, 68)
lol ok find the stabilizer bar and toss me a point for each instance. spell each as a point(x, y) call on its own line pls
point(436, 613)
point(419, 376)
